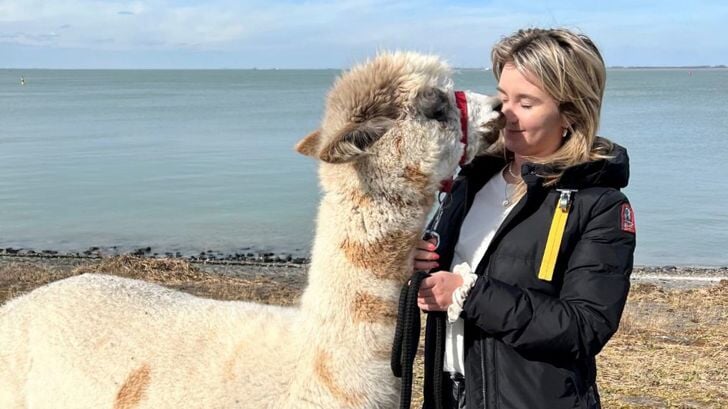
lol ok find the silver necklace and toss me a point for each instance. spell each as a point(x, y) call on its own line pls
point(511, 172)
point(507, 198)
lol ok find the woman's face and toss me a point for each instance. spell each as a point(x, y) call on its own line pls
point(533, 123)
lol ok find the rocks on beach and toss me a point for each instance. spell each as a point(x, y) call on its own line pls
point(245, 255)
point(269, 263)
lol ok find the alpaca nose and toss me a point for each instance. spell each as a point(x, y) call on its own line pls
point(498, 106)
point(501, 120)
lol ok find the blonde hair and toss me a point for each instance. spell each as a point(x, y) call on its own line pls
point(571, 70)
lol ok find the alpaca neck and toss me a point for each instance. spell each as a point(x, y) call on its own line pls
point(361, 244)
point(362, 255)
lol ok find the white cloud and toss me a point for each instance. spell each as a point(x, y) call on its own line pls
point(336, 33)
point(130, 24)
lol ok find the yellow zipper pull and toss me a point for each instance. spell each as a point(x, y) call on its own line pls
point(556, 234)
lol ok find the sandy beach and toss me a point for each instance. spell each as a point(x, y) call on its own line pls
point(670, 351)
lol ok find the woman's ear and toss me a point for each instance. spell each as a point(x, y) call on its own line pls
point(565, 123)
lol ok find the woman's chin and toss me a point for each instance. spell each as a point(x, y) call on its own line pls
point(513, 146)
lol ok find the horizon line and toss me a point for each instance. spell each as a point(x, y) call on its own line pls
point(718, 66)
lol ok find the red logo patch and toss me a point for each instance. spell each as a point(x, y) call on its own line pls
point(627, 222)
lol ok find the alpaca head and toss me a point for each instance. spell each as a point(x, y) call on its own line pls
point(392, 128)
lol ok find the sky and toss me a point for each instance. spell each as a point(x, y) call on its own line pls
point(335, 34)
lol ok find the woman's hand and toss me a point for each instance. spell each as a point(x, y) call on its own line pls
point(425, 256)
point(436, 291)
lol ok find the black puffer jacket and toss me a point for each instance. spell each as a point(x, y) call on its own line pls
point(531, 343)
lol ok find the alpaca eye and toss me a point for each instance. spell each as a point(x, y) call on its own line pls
point(434, 104)
point(440, 116)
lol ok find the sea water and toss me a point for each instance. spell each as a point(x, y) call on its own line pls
point(196, 160)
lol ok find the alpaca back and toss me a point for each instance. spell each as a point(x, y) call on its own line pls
point(103, 341)
point(14, 356)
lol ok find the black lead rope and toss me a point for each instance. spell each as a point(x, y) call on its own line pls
point(407, 330)
point(407, 338)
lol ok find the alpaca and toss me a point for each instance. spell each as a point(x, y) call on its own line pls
point(391, 133)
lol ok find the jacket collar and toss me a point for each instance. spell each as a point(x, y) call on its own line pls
point(611, 172)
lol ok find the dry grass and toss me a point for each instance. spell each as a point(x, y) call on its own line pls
point(20, 277)
point(671, 350)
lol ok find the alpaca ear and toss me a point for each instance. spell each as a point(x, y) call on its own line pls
point(309, 144)
point(352, 142)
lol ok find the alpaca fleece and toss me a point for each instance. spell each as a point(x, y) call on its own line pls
point(390, 134)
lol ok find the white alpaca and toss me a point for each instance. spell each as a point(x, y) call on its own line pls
point(390, 135)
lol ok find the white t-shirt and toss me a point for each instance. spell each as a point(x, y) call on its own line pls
point(482, 221)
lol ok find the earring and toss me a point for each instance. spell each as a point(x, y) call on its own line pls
point(565, 133)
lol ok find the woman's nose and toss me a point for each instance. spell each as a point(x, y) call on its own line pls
point(506, 110)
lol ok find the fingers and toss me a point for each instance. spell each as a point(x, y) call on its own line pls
point(428, 245)
point(426, 260)
point(426, 293)
point(425, 266)
point(425, 305)
point(429, 298)
point(436, 291)
point(431, 304)
point(427, 283)
point(425, 256)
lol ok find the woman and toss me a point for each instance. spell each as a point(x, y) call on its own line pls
point(547, 233)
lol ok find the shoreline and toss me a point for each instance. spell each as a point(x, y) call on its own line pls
point(244, 255)
point(293, 271)
point(250, 256)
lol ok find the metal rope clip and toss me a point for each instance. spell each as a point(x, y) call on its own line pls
point(430, 234)
point(443, 197)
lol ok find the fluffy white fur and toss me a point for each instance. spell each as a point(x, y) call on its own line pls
point(97, 341)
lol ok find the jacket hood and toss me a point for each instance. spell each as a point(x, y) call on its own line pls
point(611, 172)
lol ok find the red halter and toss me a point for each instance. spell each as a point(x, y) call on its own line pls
point(462, 104)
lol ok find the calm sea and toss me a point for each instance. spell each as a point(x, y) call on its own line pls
point(197, 160)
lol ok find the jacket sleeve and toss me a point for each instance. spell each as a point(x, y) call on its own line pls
point(581, 320)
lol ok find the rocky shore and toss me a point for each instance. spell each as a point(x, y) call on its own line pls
point(284, 266)
point(207, 256)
